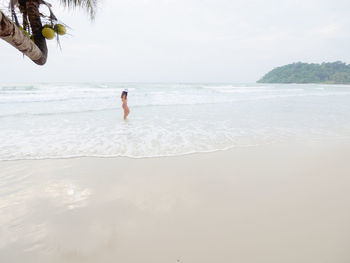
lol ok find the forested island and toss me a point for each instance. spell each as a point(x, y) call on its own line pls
point(330, 73)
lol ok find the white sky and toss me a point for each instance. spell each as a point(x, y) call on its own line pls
point(187, 41)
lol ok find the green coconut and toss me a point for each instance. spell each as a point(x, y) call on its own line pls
point(48, 33)
point(60, 29)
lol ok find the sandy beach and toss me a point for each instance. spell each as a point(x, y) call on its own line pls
point(271, 203)
point(174, 131)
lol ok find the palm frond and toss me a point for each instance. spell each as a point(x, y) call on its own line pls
point(89, 5)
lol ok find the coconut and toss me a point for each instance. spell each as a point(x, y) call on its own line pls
point(60, 29)
point(48, 33)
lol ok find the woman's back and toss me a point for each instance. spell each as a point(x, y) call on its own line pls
point(124, 98)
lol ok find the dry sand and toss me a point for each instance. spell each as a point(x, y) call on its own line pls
point(273, 203)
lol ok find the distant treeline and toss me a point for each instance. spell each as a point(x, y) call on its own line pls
point(331, 73)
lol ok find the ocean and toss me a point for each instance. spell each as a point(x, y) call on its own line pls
point(65, 120)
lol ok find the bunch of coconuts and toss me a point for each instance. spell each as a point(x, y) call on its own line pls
point(49, 31)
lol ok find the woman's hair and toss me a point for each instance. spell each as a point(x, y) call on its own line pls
point(124, 93)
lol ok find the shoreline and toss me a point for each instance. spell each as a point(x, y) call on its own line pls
point(330, 140)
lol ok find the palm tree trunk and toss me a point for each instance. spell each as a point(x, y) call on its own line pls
point(35, 24)
point(16, 37)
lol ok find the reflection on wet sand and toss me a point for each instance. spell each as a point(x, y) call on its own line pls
point(248, 205)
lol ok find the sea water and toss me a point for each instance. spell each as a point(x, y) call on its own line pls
point(51, 120)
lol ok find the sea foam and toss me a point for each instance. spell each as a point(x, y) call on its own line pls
point(72, 120)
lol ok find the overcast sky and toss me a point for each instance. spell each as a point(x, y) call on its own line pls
point(187, 41)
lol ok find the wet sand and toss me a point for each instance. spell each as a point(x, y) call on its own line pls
point(275, 203)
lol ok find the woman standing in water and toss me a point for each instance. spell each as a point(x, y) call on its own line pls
point(124, 98)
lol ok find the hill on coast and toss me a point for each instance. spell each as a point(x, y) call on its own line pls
point(330, 73)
